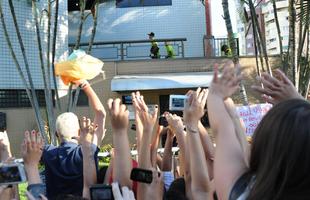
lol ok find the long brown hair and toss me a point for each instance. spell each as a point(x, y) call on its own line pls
point(280, 155)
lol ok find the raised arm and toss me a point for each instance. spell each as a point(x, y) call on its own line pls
point(239, 129)
point(229, 162)
point(148, 121)
point(176, 125)
point(139, 126)
point(167, 156)
point(193, 111)
point(207, 147)
point(100, 113)
point(119, 116)
point(87, 130)
point(154, 145)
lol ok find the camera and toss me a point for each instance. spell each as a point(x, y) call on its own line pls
point(11, 174)
point(101, 192)
point(142, 175)
point(177, 102)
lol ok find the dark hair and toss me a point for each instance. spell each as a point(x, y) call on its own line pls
point(69, 197)
point(224, 47)
point(176, 190)
point(280, 155)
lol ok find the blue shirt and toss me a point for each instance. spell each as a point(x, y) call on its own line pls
point(64, 169)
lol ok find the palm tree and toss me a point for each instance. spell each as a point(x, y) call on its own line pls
point(54, 52)
point(275, 12)
point(303, 68)
point(261, 41)
point(292, 43)
point(95, 10)
point(46, 80)
point(32, 96)
point(233, 46)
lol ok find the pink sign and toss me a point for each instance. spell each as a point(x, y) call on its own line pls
point(251, 115)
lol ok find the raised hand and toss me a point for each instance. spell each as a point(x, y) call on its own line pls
point(227, 84)
point(87, 130)
point(119, 115)
point(148, 120)
point(194, 108)
point(32, 148)
point(126, 194)
point(175, 123)
point(277, 89)
point(5, 149)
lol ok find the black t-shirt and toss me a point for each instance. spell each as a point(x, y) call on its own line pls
point(64, 169)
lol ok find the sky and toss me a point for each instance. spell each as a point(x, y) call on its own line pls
point(218, 23)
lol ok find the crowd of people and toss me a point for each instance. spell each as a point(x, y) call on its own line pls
point(273, 166)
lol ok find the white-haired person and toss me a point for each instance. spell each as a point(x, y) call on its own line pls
point(64, 163)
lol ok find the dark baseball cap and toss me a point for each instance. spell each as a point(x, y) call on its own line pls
point(151, 34)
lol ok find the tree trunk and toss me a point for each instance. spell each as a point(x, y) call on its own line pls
point(48, 98)
point(54, 53)
point(91, 41)
point(292, 44)
point(278, 28)
point(259, 34)
point(233, 46)
point(257, 46)
point(82, 18)
point(256, 52)
point(33, 93)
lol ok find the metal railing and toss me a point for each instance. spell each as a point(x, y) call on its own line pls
point(212, 46)
point(132, 49)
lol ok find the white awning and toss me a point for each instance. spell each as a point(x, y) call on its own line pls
point(161, 81)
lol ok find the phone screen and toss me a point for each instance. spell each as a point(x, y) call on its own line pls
point(9, 174)
point(178, 103)
point(101, 193)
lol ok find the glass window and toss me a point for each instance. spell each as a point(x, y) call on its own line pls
point(19, 98)
point(139, 3)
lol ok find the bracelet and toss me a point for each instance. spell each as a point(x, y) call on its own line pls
point(84, 85)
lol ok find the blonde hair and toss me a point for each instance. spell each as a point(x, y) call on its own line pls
point(67, 125)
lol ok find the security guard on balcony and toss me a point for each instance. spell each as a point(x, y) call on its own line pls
point(226, 50)
point(154, 48)
point(170, 50)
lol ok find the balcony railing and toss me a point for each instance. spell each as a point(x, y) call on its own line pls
point(133, 49)
point(213, 46)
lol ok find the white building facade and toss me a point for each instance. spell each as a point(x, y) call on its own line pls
point(169, 19)
point(271, 33)
point(12, 93)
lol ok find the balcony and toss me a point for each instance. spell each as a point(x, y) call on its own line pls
point(213, 47)
point(133, 49)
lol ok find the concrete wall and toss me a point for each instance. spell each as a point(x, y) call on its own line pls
point(19, 120)
point(183, 19)
point(9, 77)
